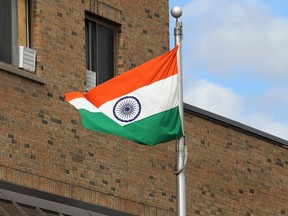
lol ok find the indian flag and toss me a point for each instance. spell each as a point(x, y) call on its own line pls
point(140, 104)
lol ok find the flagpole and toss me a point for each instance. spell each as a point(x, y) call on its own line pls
point(181, 153)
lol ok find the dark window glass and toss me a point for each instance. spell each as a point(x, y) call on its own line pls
point(105, 53)
point(6, 31)
point(100, 46)
point(90, 34)
point(15, 28)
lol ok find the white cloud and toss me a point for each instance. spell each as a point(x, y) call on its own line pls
point(267, 124)
point(225, 34)
point(277, 96)
point(226, 37)
point(225, 102)
point(274, 103)
point(214, 98)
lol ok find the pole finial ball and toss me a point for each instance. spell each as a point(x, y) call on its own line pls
point(176, 12)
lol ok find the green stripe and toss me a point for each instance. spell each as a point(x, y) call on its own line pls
point(155, 129)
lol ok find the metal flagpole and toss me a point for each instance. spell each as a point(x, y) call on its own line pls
point(181, 152)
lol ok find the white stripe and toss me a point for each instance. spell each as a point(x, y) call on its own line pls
point(83, 103)
point(155, 98)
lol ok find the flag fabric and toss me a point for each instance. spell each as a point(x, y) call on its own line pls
point(141, 104)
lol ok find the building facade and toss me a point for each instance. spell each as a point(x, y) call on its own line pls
point(51, 165)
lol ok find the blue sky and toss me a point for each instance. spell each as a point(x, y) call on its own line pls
point(235, 60)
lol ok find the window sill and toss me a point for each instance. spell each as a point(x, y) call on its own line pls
point(12, 69)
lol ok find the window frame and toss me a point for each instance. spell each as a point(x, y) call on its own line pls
point(109, 25)
point(11, 66)
point(14, 31)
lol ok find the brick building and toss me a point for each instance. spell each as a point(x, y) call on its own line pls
point(51, 165)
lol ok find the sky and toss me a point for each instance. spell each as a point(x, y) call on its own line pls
point(235, 60)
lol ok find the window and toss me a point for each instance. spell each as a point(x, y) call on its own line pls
point(15, 28)
point(16, 200)
point(100, 39)
point(5, 29)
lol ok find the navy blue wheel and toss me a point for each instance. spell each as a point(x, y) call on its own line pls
point(127, 109)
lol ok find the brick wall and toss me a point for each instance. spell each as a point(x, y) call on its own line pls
point(234, 172)
point(43, 145)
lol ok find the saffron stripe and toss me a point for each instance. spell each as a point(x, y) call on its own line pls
point(152, 71)
point(151, 97)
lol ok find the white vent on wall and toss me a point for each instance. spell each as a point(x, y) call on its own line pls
point(90, 79)
point(27, 58)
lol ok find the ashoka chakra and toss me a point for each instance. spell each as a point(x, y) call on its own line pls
point(127, 109)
